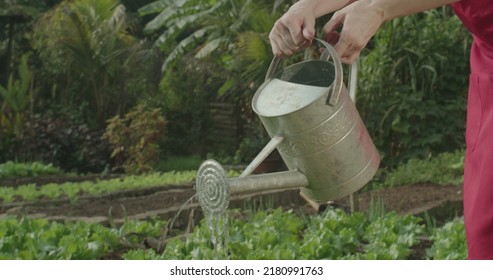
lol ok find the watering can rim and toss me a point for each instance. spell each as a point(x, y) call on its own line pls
point(333, 91)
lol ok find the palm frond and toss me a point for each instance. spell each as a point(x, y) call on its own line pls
point(252, 47)
point(183, 45)
point(156, 7)
point(210, 46)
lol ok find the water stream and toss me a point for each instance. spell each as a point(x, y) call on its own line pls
point(181, 209)
point(214, 193)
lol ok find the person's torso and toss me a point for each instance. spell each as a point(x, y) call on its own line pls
point(477, 16)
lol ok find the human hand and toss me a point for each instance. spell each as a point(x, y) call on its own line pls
point(294, 30)
point(360, 21)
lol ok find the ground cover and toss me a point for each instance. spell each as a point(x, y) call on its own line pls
point(431, 207)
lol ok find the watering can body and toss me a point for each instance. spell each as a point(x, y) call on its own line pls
point(308, 105)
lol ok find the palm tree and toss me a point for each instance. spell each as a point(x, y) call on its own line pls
point(89, 42)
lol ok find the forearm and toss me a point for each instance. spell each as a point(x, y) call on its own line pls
point(321, 7)
point(391, 9)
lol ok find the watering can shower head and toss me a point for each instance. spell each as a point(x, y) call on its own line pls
point(212, 188)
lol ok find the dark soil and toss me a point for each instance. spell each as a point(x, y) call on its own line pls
point(167, 201)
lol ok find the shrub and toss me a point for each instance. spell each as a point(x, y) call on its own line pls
point(413, 86)
point(63, 142)
point(135, 138)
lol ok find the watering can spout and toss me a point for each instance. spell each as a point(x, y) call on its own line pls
point(214, 189)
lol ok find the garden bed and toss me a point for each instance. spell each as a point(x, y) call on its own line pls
point(167, 201)
point(174, 216)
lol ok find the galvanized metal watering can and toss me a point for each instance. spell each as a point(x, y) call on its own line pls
point(312, 121)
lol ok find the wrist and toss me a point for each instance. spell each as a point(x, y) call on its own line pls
point(321, 7)
point(381, 8)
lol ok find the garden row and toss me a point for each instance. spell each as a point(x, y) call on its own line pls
point(444, 169)
point(275, 234)
point(73, 190)
point(251, 234)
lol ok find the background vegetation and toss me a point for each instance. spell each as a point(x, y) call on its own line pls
point(70, 67)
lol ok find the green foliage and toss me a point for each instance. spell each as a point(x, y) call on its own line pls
point(140, 254)
point(267, 236)
point(284, 235)
point(333, 235)
point(17, 96)
point(276, 234)
point(187, 88)
point(251, 145)
point(230, 39)
point(15, 27)
point(25, 7)
point(376, 209)
point(136, 138)
point(413, 85)
point(15, 105)
point(391, 237)
point(39, 239)
point(449, 242)
point(202, 26)
point(90, 58)
point(443, 169)
point(13, 169)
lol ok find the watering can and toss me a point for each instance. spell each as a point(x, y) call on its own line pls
point(312, 120)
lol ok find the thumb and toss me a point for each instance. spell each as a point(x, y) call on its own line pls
point(309, 28)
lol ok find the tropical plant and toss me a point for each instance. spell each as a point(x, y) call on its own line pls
point(90, 56)
point(15, 100)
point(232, 30)
point(15, 27)
point(230, 39)
point(413, 84)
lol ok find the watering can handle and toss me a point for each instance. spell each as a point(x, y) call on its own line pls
point(329, 52)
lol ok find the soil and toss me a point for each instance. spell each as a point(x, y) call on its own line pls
point(178, 204)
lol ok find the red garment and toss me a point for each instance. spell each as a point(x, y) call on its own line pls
point(477, 16)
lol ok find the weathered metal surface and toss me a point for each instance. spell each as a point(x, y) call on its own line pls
point(325, 138)
point(314, 124)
